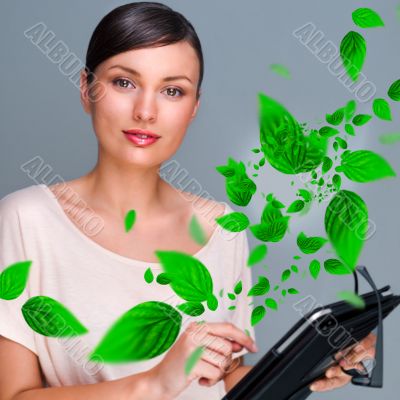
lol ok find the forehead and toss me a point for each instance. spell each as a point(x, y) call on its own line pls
point(177, 58)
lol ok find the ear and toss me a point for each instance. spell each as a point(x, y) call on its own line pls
point(84, 89)
point(196, 107)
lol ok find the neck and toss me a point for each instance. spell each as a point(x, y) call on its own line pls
point(119, 188)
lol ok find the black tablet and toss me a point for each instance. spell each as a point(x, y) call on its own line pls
point(308, 349)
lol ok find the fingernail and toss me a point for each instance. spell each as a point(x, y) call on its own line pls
point(313, 387)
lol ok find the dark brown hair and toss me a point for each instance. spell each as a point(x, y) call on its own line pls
point(140, 25)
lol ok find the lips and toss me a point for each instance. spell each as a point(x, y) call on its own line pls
point(142, 132)
point(141, 137)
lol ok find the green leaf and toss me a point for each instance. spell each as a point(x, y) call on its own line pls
point(270, 214)
point(13, 280)
point(257, 254)
point(280, 70)
point(271, 303)
point(163, 279)
point(328, 131)
point(260, 288)
point(148, 275)
point(361, 119)
point(296, 206)
point(349, 129)
point(342, 143)
point(142, 333)
point(191, 308)
point(233, 222)
point(273, 232)
point(365, 166)
point(284, 142)
point(50, 318)
point(228, 172)
point(389, 138)
point(130, 219)
point(346, 224)
point(336, 118)
point(335, 267)
point(326, 165)
point(190, 279)
point(255, 150)
point(367, 18)
point(352, 298)
point(337, 182)
point(212, 302)
point(193, 359)
point(314, 268)
point(231, 296)
point(277, 204)
point(238, 288)
point(305, 194)
point(239, 188)
point(196, 231)
point(285, 275)
point(382, 110)
point(353, 50)
point(257, 315)
point(283, 292)
point(293, 291)
point(349, 110)
point(231, 308)
point(394, 91)
point(294, 268)
point(310, 245)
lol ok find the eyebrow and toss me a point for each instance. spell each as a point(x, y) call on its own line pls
point(166, 79)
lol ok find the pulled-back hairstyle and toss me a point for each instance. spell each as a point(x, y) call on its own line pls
point(140, 25)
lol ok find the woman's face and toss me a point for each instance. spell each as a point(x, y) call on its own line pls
point(139, 93)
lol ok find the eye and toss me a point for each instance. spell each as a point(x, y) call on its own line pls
point(172, 90)
point(122, 83)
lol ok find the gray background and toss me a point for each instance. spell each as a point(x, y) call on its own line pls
point(41, 115)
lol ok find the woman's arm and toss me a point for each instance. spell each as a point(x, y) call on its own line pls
point(20, 379)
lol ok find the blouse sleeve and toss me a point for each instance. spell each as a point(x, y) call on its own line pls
point(241, 316)
point(12, 323)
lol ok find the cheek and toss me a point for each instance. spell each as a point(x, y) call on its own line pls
point(109, 111)
point(176, 116)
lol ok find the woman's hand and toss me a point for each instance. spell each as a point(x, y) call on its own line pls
point(335, 377)
point(169, 375)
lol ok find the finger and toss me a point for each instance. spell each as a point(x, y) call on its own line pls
point(359, 347)
point(355, 357)
point(206, 370)
point(200, 336)
point(333, 372)
point(217, 359)
point(236, 347)
point(207, 373)
point(323, 385)
point(337, 371)
point(228, 330)
point(218, 344)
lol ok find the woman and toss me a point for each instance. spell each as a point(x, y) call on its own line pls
point(141, 88)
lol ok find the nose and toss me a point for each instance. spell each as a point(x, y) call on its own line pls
point(145, 107)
